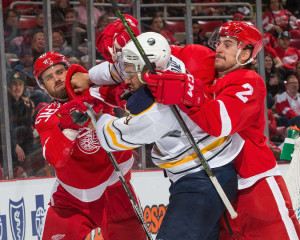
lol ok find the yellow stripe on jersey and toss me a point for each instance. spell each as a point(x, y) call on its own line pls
point(114, 75)
point(142, 111)
point(193, 156)
point(114, 138)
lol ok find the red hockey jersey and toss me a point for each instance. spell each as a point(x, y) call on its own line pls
point(82, 166)
point(287, 105)
point(238, 108)
point(289, 57)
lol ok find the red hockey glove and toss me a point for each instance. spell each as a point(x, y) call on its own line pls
point(122, 94)
point(74, 68)
point(114, 37)
point(73, 115)
point(175, 88)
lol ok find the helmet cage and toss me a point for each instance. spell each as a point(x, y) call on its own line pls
point(156, 48)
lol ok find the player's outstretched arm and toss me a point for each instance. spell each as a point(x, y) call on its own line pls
point(171, 88)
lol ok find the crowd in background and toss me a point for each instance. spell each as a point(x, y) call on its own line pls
point(24, 45)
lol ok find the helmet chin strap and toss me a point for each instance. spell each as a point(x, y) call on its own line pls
point(237, 63)
point(140, 78)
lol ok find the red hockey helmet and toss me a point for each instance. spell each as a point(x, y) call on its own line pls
point(245, 33)
point(46, 61)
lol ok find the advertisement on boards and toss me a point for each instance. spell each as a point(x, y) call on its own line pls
point(23, 204)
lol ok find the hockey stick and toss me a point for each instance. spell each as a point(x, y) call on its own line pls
point(175, 111)
point(115, 164)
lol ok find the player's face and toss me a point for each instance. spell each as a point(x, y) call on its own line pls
point(54, 81)
point(131, 77)
point(157, 24)
point(274, 5)
point(226, 54)
point(268, 62)
point(292, 85)
point(284, 43)
point(16, 89)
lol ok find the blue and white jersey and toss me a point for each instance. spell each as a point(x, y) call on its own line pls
point(151, 122)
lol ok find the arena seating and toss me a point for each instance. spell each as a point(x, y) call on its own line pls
point(175, 26)
point(209, 26)
point(26, 23)
point(295, 43)
point(206, 26)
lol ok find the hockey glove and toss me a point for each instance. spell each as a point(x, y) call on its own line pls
point(77, 84)
point(114, 37)
point(73, 115)
point(171, 88)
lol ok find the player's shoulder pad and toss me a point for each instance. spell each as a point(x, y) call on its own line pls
point(140, 101)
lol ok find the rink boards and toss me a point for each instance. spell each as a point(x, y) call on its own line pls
point(24, 202)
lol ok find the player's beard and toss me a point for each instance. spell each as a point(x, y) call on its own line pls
point(60, 94)
point(220, 65)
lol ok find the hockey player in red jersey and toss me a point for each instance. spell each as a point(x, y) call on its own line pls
point(87, 193)
point(236, 107)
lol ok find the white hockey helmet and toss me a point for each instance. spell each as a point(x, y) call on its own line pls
point(155, 46)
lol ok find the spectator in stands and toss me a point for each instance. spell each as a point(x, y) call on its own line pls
point(197, 38)
point(74, 60)
point(25, 61)
point(288, 103)
point(58, 12)
point(206, 11)
point(297, 71)
point(270, 67)
point(17, 152)
point(38, 45)
point(127, 9)
point(277, 19)
point(288, 55)
point(238, 17)
point(82, 14)
point(157, 25)
point(102, 23)
point(273, 66)
point(60, 44)
point(20, 117)
point(39, 18)
point(75, 33)
point(13, 36)
point(275, 87)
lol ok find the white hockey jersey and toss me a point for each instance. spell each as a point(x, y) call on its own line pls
point(150, 122)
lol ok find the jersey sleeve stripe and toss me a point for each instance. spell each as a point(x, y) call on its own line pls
point(182, 153)
point(225, 120)
point(114, 137)
point(114, 77)
point(107, 142)
point(199, 165)
point(121, 136)
point(193, 156)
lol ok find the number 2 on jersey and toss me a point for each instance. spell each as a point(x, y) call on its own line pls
point(241, 95)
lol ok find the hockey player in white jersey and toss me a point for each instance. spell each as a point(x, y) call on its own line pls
point(195, 207)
